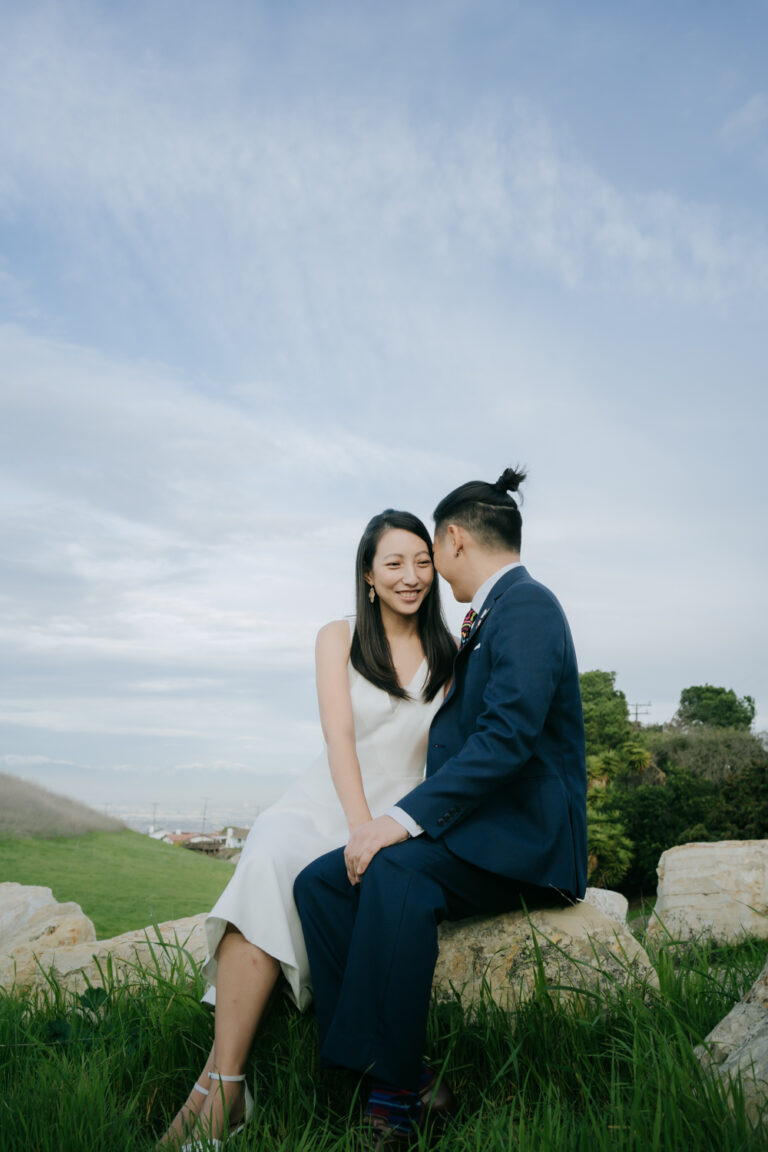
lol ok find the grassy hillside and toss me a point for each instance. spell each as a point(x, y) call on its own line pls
point(28, 810)
point(122, 880)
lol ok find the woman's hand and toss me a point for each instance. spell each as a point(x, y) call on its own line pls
point(368, 839)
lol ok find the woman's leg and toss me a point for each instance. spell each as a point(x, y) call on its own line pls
point(187, 1114)
point(245, 978)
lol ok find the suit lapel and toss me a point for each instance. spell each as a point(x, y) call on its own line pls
point(496, 592)
point(490, 601)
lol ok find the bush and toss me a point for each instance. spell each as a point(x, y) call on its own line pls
point(609, 849)
point(714, 753)
point(655, 817)
point(741, 812)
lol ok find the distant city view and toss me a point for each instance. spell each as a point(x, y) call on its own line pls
point(192, 818)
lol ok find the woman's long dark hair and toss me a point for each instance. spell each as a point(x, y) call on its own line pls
point(370, 653)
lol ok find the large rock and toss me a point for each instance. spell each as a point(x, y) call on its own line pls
point(613, 904)
point(718, 890)
point(587, 945)
point(738, 1048)
point(579, 947)
point(155, 950)
point(39, 937)
point(30, 914)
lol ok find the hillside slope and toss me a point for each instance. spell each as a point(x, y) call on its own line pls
point(121, 880)
point(29, 810)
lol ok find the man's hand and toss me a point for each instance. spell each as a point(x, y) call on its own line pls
point(366, 840)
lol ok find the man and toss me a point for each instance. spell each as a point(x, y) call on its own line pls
point(499, 821)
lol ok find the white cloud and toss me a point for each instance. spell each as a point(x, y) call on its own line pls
point(246, 216)
point(748, 123)
point(251, 313)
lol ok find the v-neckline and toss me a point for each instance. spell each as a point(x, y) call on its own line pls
point(405, 687)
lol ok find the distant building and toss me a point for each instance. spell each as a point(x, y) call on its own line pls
point(235, 837)
point(211, 843)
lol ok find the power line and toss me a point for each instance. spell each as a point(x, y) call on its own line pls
point(640, 710)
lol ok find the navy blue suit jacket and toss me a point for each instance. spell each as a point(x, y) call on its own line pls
point(506, 776)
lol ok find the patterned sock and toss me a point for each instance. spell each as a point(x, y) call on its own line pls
point(397, 1107)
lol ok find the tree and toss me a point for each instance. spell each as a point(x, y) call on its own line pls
point(609, 849)
point(606, 715)
point(705, 704)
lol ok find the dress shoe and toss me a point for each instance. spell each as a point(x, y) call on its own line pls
point(378, 1136)
point(438, 1103)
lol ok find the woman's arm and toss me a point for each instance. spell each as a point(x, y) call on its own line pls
point(332, 678)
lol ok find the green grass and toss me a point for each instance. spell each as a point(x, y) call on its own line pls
point(121, 880)
point(616, 1075)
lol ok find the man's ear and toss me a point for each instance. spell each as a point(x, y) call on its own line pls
point(457, 536)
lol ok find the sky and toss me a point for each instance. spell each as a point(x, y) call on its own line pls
point(267, 269)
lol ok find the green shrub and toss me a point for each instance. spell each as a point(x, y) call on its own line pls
point(609, 849)
point(655, 816)
point(741, 810)
point(714, 753)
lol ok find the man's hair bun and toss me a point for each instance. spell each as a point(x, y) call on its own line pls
point(510, 480)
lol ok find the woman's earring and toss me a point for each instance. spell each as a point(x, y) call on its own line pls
point(371, 594)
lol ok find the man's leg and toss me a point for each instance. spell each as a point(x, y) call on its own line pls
point(327, 904)
point(372, 948)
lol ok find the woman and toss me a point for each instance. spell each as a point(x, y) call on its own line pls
point(379, 683)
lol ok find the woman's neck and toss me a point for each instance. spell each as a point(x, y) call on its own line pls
point(397, 627)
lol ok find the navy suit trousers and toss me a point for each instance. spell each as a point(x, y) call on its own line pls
point(373, 947)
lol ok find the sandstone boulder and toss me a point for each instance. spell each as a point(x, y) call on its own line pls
point(158, 950)
point(587, 945)
point(613, 904)
point(578, 948)
point(738, 1047)
point(33, 922)
point(39, 936)
point(718, 890)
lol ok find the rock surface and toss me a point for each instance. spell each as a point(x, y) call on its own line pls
point(40, 936)
point(579, 947)
point(613, 904)
point(29, 913)
point(587, 945)
point(718, 890)
point(738, 1047)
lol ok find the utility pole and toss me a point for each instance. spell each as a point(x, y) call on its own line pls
point(640, 710)
point(205, 811)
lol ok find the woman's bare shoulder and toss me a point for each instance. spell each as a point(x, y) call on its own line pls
point(336, 636)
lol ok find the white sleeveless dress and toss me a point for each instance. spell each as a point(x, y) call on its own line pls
point(391, 738)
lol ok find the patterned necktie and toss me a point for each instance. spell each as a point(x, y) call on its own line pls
point(466, 627)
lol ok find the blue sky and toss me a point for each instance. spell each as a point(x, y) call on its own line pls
point(266, 269)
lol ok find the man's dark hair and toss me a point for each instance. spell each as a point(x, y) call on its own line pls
point(486, 510)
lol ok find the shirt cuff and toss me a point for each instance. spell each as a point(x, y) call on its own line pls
point(407, 822)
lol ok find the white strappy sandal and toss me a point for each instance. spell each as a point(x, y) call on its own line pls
point(205, 1144)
